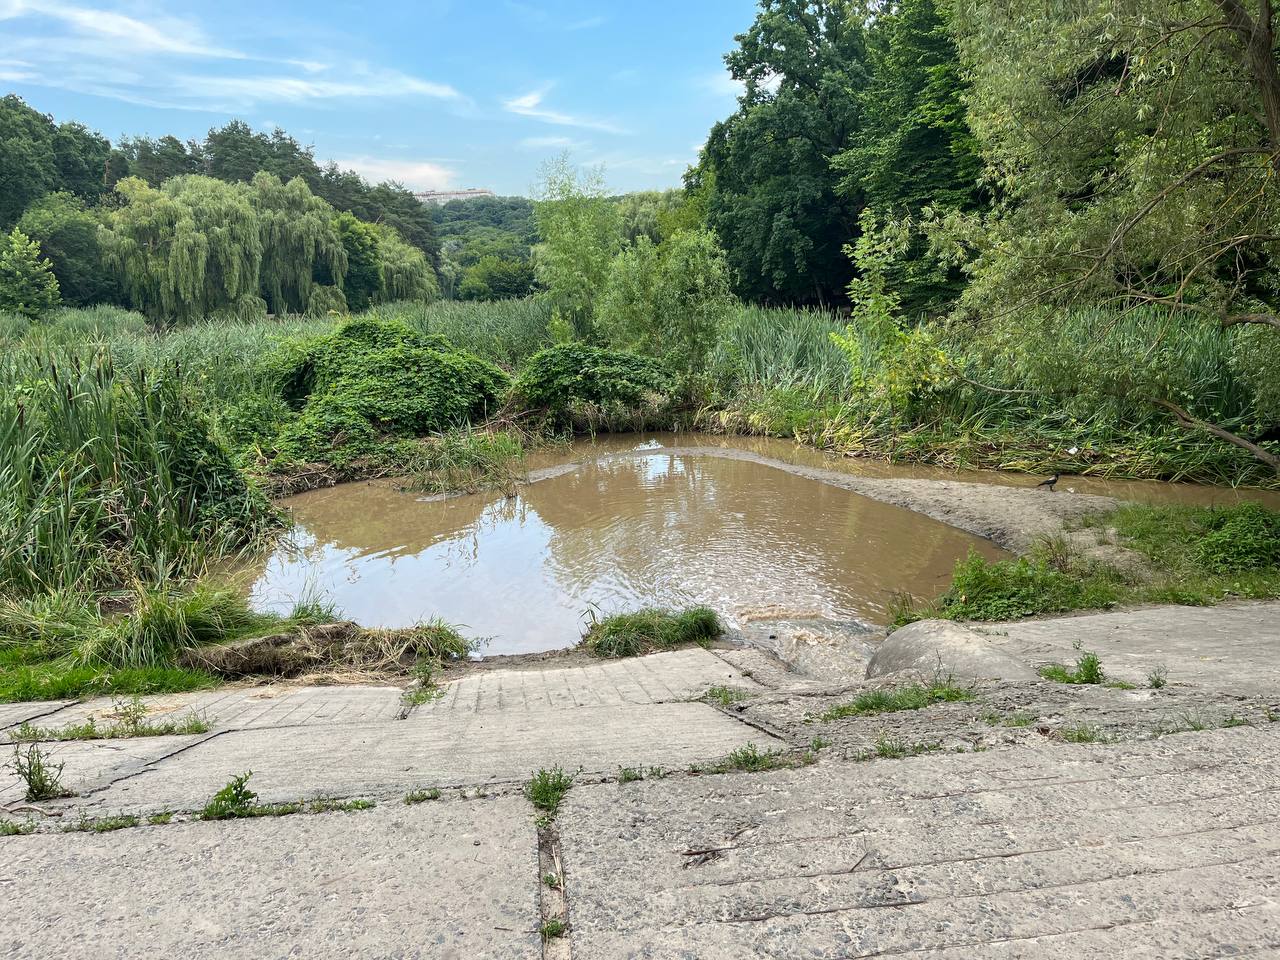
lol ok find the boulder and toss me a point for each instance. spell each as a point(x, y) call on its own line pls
point(942, 648)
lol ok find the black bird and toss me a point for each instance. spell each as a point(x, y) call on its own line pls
point(1050, 482)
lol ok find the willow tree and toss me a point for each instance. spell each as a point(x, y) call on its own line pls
point(299, 240)
point(1135, 149)
point(189, 249)
point(403, 270)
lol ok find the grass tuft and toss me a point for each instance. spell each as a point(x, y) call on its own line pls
point(913, 696)
point(547, 788)
point(643, 631)
point(43, 780)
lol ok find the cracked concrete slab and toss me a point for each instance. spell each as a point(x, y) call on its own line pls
point(1076, 849)
point(658, 678)
point(448, 748)
point(90, 765)
point(454, 880)
point(243, 708)
point(1228, 647)
point(12, 714)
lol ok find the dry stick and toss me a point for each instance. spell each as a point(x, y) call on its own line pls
point(1187, 420)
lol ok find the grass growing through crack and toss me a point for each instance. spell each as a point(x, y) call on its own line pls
point(632, 774)
point(894, 748)
point(1088, 670)
point(555, 927)
point(546, 789)
point(12, 828)
point(726, 696)
point(1083, 733)
point(751, 759)
point(101, 824)
point(913, 696)
point(131, 722)
point(643, 631)
point(236, 801)
point(421, 796)
point(43, 780)
point(1017, 718)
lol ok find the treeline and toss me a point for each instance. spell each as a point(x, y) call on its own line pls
point(237, 224)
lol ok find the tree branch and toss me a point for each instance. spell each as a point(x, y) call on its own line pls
point(1192, 423)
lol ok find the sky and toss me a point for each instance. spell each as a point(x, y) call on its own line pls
point(438, 94)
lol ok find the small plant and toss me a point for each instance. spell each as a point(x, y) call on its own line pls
point(327, 805)
point(1235, 720)
point(1156, 679)
point(726, 696)
point(43, 780)
point(233, 800)
point(555, 927)
point(11, 828)
point(1088, 670)
point(101, 824)
point(1015, 719)
point(893, 748)
point(161, 818)
point(547, 788)
point(910, 697)
point(749, 759)
point(1083, 733)
point(131, 722)
point(421, 796)
point(819, 743)
point(551, 880)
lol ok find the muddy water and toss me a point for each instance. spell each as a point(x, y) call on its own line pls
point(650, 528)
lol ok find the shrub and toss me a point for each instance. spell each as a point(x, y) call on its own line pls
point(631, 634)
point(376, 379)
point(1008, 589)
point(574, 384)
point(1242, 537)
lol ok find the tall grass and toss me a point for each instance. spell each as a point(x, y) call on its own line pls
point(504, 331)
point(782, 348)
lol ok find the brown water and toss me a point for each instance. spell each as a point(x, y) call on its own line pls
point(652, 528)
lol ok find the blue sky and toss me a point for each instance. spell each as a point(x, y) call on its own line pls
point(435, 93)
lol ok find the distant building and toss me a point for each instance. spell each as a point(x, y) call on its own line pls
point(444, 196)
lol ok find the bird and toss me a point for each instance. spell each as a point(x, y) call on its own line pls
point(1050, 482)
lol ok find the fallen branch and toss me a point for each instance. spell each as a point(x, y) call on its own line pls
point(1192, 423)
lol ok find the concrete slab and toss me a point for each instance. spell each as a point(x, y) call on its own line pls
point(12, 714)
point(1077, 852)
point(244, 708)
point(446, 748)
point(1231, 647)
point(91, 765)
point(658, 678)
point(453, 880)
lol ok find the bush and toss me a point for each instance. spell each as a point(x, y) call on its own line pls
point(1008, 589)
point(372, 380)
point(1239, 538)
point(574, 385)
point(631, 634)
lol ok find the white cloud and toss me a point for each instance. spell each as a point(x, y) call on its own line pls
point(159, 34)
point(249, 90)
point(530, 105)
point(546, 143)
point(414, 174)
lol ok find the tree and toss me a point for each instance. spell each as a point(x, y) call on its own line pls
point(493, 278)
point(27, 284)
point(155, 161)
point(914, 154)
point(1135, 152)
point(68, 236)
point(80, 159)
point(580, 234)
point(404, 273)
point(360, 244)
point(774, 204)
point(298, 239)
point(27, 168)
point(190, 249)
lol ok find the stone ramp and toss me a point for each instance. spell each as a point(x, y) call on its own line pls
point(1231, 647)
point(439, 880)
point(1162, 849)
point(243, 708)
point(658, 678)
point(12, 714)
point(94, 764)
point(448, 748)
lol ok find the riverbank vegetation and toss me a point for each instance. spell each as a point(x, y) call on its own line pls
point(867, 257)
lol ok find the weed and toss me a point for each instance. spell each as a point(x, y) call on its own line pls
point(749, 759)
point(158, 819)
point(131, 722)
point(894, 748)
point(555, 927)
point(631, 774)
point(726, 696)
point(101, 824)
point(43, 780)
point(909, 697)
point(1235, 721)
point(1088, 670)
point(11, 828)
point(632, 634)
point(421, 796)
point(547, 788)
point(1015, 719)
point(819, 743)
point(233, 800)
point(1083, 733)
point(551, 880)
point(1157, 678)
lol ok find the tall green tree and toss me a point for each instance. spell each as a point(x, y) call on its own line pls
point(155, 161)
point(360, 244)
point(27, 283)
point(68, 235)
point(298, 239)
point(1136, 152)
point(27, 167)
point(774, 205)
point(578, 223)
point(913, 151)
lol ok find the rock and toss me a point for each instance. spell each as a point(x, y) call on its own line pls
point(275, 655)
point(835, 650)
point(941, 647)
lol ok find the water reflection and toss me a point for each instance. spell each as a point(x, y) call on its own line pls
point(654, 528)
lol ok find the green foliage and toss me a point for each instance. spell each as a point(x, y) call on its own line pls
point(39, 157)
point(232, 801)
point(574, 383)
point(1245, 537)
point(27, 283)
point(748, 759)
point(298, 240)
point(495, 278)
point(578, 224)
point(58, 681)
point(131, 721)
point(68, 236)
point(546, 789)
point(421, 796)
point(633, 634)
point(1087, 671)
point(467, 460)
point(913, 696)
point(1007, 589)
point(42, 779)
point(375, 379)
point(360, 244)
